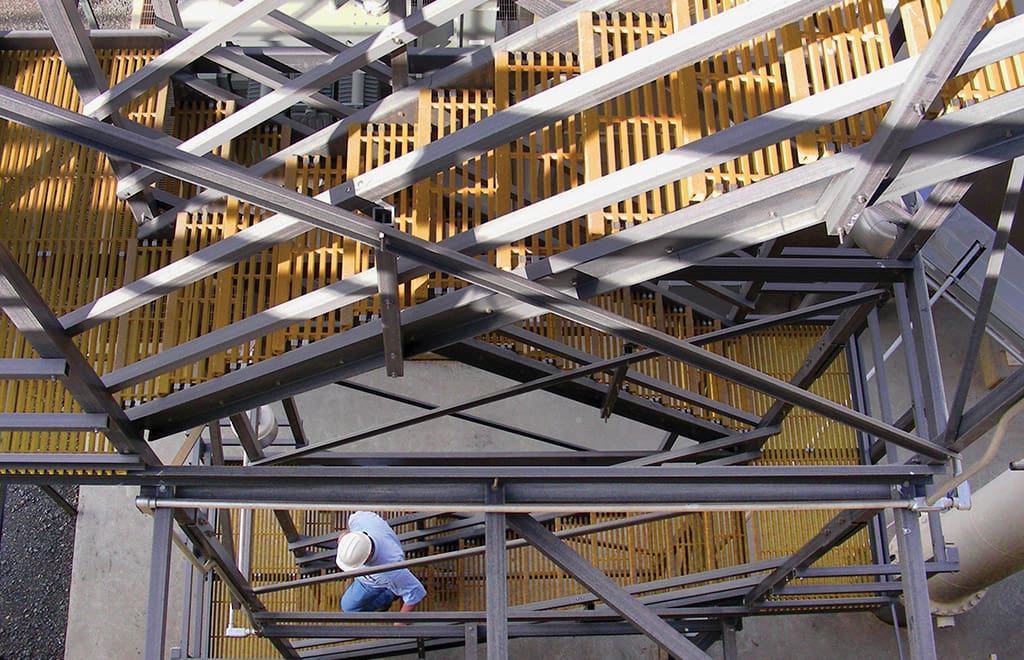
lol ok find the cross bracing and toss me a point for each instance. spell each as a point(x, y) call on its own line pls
point(650, 220)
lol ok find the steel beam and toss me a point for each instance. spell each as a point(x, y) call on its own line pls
point(390, 321)
point(950, 40)
point(793, 269)
point(611, 593)
point(985, 413)
point(90, 81)
point(58, 499)
point(291, 411)
point(372, 48)
point(159, 584)
point(31, 316)
point(829, 105)
point(693, 451)
point(840, 528)
point(496, 565)
point(464, 417)
point(993, 271)
point(218, 29)
point(53, 422)
point(32, 368)
point(915, 586)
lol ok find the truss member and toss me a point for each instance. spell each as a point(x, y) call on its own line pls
point(370, 541)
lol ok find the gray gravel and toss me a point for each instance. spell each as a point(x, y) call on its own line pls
point(25, 14)
point(37, 539)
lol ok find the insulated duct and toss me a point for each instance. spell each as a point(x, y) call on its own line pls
point(990, 540)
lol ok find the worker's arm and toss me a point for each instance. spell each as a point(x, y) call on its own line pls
point(406, 607)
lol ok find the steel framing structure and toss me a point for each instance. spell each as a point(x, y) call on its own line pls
point(730, 246)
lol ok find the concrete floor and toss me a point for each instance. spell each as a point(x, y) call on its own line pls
point(113, 538)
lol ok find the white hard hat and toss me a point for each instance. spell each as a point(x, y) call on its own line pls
point(354, 549)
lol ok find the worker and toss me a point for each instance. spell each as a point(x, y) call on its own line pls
point(370, 541)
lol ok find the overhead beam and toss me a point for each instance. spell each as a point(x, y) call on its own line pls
point(32, 368)
point(830, 105)
point(993, 271)
point(467, 418)
point(600, 584)
point(202, 41)
point(90, 81)
point(384, 42)
point(738, 200)
point(32, 317)
point(53, 422)
point(831, 166)
point(944, 50)
point(400, 105)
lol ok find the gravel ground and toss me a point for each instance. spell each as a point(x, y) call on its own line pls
point(37, 539)
point(25, 14)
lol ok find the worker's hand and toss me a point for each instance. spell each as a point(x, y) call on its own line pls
point(399, 623)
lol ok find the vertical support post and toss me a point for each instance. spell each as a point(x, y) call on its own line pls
point(928, 362)
point(159, 580)
point(471, 633)
point(911, 352)
point(730, 650)
point(497, 575)
point(915, 585)
point(862, 402)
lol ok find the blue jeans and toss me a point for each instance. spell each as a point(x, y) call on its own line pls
point(361, 598)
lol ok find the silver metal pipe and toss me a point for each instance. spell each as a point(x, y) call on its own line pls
point(188, 503)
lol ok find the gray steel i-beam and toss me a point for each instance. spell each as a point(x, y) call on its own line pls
point(832, 104)
point(496, 565)
point(993, 271)
point(218, 29)
point(492, 278)
point(159, 583)
point(915, 585)
point(944, 50)
point(611, 593)
point(90, 81)
point(32, 317)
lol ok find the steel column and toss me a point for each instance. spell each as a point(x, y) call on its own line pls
point(159, 581)
point(915, 586)
point(496, 561)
